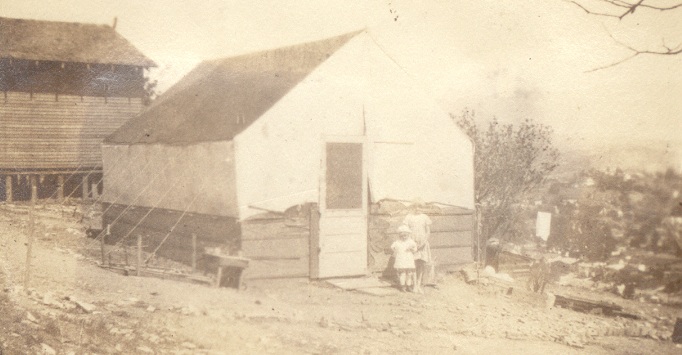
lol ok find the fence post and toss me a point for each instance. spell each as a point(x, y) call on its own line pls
point(84, 186)
point(102, 241)
point(8, 188)
point(60, 188)
point(34, 189)
point(31, 230)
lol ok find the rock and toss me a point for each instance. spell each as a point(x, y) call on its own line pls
point(324, 322)
point(151, 309)
point(190, 310)
point(48, 299)
point(87, 307)
point(31, 318)
point(47, 350)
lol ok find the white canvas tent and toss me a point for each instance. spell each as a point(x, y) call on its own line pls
point(334, 123)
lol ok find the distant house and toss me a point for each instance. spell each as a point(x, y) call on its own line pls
point(292, 155)
point(64, 86)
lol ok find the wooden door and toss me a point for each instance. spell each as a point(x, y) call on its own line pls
point(342, 243)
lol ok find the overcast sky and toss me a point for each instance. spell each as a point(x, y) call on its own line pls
point(510, 59)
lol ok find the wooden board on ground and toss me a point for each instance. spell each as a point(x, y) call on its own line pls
point(378, 291)
point(358, 283)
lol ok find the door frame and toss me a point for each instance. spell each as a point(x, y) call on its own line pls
point(323, 211)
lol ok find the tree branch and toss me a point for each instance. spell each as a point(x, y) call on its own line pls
point(590, 12)
point(636, 52)
point(630, 8)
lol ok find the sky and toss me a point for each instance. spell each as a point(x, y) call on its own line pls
point(508, 59)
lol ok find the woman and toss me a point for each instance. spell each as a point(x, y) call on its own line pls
point(420, 228)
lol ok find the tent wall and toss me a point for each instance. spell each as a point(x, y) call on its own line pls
point(197, 178)
point(415, 149)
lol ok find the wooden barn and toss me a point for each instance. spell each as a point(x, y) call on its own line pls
point(301, 157)
point(65, 86)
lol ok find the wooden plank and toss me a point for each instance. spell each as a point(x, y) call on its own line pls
point(274, 229)
point(440, 223)
point(448, 238)
point(280, 248)
point(358, 283)
point(447, 256)
point(451, 223)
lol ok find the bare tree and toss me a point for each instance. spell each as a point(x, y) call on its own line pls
point(619, 9)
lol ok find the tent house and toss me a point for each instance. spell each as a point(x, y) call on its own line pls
point(302, 157)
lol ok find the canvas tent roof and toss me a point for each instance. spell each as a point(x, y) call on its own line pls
point(67, 42)
point(220, 98)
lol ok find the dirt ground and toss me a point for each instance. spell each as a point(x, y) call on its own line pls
point(72, 306)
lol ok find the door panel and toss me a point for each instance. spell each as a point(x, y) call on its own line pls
point(342, 243)
point(342, 225)
point(342, 249)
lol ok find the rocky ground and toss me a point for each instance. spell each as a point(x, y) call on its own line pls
point(72, 306)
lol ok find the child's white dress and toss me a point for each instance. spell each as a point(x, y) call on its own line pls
point(402, 250)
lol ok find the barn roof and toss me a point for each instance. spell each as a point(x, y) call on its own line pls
point(67, 42)
point(220, 98)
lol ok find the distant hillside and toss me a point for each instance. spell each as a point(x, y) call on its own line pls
point(626, 157)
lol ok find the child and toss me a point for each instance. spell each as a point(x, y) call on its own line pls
point(403, 249)
point(420, 228)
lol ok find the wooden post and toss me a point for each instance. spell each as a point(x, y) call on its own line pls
point(60, 188)
point(102, 241)
point(139, 254)
point(31, 230)
point(194, 252)
point(94, 191)
point(219, 276)
point(85, 187)
point(314, 252)
point(125, 254)
point(8, 188)
point(34, 189)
